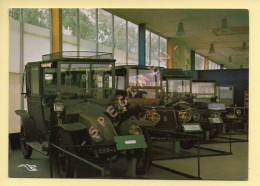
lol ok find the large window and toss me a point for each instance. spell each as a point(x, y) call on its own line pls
point(104, 31)
point(132, 43)
point(213, 65)
point(14, 13)
point(120, 40)
point(148, 47)
point(87, 24)
point(154, 49)
point(199, 62)
point(37, 16)
point(69, 29)
point(163, 52)
point(36, 33)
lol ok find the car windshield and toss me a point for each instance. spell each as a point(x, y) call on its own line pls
point(145, 82)
point(178, 87)
point(81, 80)
point(203, 89)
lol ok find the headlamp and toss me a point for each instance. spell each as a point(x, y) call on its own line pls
point(58, 107)
point(135, 130)
point(184, 116)
point(196, 116)
point(154, 117)
point(238, 112)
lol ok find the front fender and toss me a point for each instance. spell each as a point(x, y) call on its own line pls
point(125, 127)
point(28, 125)
point(72, 126)
point(143, 123)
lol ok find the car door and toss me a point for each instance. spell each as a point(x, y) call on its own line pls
point(34, 99)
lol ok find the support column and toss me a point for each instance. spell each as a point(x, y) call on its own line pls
point(142, 44)
point(206, 63)
point(170, 53)
point(192, 60)
point(78, 30)
point(56, 30)
point(22, 58)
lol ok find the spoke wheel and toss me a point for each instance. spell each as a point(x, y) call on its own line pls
point(26, 149)
point(65, 162)
point(144, 156)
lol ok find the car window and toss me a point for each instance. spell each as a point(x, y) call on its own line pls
point(35, 80)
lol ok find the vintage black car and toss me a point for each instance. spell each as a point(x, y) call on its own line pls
point(194, 97)
point(237, 117)
point(205, 100)
point(142, 87)
point(225, 94)
point(71, 104)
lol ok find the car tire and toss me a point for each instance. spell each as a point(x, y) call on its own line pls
point(65, 163)
point(144, 156)
point(26, 149)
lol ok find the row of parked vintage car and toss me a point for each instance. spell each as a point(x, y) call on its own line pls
point(86, 105)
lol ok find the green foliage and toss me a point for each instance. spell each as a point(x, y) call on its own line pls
point(37, 16)
point(120, 33)
point(132, 38)
point(14, 13)
point(69, 21)
point(154, 46)
point(88, 24)
point(41, 17)
point(104, 28)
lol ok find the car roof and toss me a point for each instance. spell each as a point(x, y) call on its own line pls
point(135, 67)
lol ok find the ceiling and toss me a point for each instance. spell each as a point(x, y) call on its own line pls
point(199, 27)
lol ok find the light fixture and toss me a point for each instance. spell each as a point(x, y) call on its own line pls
point(230, 59)
point(211, 49)
point(244, 47)
point(180, 30)
point(224, 26)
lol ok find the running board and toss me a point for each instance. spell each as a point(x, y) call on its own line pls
point(37, 146)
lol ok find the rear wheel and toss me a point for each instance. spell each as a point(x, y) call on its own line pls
point(144, 156)
point(26, 149)
point(65, 162)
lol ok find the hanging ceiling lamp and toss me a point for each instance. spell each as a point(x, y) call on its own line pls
point(244, 47)
point(211, 49)
point(224, 26)
point(230, 59)
point(180, 30)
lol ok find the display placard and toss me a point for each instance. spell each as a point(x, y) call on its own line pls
point(191, 127)
point(216, 120)
point(231, 116)
point(216, 106)
point(130, 142)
